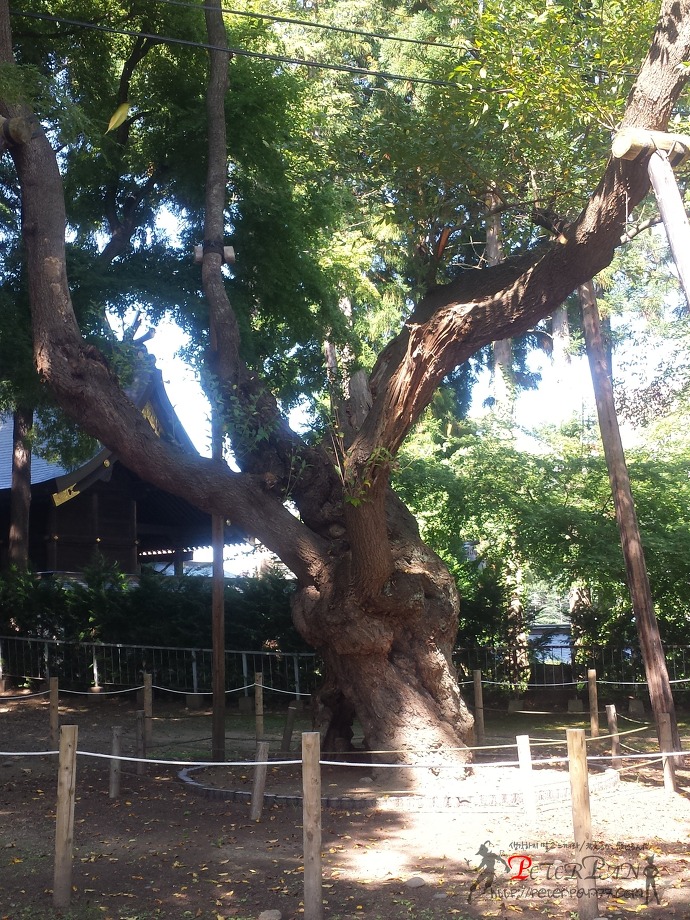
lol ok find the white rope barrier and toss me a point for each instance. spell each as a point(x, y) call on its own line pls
point(24, 696)
point(246, 764)
point(100, 691)
point(191, 763)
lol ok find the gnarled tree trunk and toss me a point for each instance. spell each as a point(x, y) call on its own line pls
point(379, 605)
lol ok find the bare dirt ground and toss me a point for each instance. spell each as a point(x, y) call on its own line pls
point(162, 850)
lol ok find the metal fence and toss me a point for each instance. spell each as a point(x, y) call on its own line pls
point(559, 665)
point(80, 665)
point(94, 664)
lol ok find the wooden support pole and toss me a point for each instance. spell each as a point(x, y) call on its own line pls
point(64, 825)
point(286, 743)
point(478, 706)
point(218, 613)
point(526, 778)
point(148, 709)
point(612, 719)
point(259, 704)
point(141, 743)
point(593, 703)
point(311, 825)
point(666, 746)
point(656, 672)
point(582, 821)
point(54, 714)
point(115, 768)
point(672, 210)
point(259, 781)
point(630, 143)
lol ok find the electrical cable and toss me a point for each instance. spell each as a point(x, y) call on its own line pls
point(239, 52)
point(361, 33)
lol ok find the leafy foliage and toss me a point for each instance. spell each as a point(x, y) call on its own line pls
point(553, 512)
point(104, 605)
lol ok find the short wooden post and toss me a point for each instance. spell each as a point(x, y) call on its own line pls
point(54, 714)
point(141, 743)
point(593, 703)
point(64, 825)
point(286, 743)
point(115, 769)
point(612, 720)
point(478, 706)
point(582, 820)
point(259, 780)
point(666, 746)
point(148, 709)
point(311, 824)
point(259, 704)
point(526, 778)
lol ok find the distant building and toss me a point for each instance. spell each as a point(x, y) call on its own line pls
point(102, 508)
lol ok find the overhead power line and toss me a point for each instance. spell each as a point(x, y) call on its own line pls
point(240, 52)
point(360, 33)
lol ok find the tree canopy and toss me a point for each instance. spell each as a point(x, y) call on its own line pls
point(353, 187)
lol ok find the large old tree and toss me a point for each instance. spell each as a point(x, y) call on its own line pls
point(379, 606)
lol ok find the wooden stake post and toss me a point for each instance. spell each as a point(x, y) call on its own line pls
point(141, 743)
point(593, 703)
point(612, 720)
point(259, 704)
point(478, 707)
point(527, 781)
point(148, 710)
point(289, 727)
point(115, 769)
point(311, 823)
point(582, 821)
point(259, 781)
point(64, 825)
point(54, 714)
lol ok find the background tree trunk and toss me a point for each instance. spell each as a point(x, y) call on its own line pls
point(503, 379)
point(20, 496)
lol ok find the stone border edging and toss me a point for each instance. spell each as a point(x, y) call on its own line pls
point(549, 792)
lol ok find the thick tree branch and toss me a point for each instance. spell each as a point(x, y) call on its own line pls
point(454, 321)
point(89, 392)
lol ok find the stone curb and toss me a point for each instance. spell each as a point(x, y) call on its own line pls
point(551, 792)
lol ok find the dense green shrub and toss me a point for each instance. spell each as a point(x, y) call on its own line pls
point(155, 609)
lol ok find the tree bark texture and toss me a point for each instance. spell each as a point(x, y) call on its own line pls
point(658, 683)
point(379, 606)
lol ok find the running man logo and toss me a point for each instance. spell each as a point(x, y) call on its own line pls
point(486, 873)
point(519, 864)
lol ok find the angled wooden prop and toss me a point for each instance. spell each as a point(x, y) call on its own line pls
point(665, 151)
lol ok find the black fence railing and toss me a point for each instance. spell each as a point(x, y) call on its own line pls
point(81, 665)
point(536, 665)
